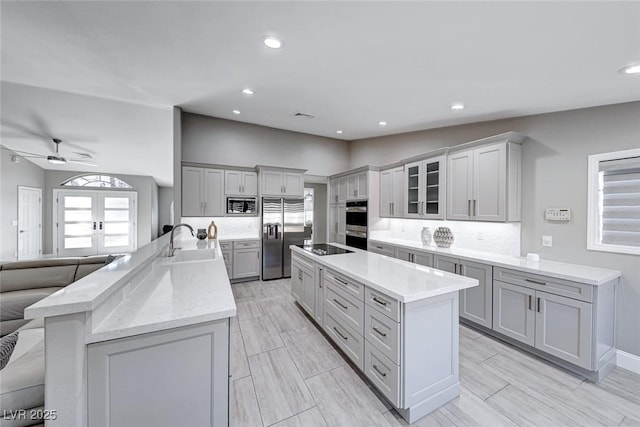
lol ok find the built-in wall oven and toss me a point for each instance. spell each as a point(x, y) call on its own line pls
point(357, 225)
point(241, 206)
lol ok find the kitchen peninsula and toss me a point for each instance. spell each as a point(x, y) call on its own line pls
point(142, 341)
point(397, 322)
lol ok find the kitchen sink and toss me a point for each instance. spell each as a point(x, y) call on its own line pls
point(193, 255)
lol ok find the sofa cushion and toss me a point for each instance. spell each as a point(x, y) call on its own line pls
point(14, 303)
point(86, 269)
point(8, 326)
point(7, 344)
point(22, 380)
point(43, 276)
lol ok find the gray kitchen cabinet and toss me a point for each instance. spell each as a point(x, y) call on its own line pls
point(338, 189)
point(392, 193)
point(338, 223)
point(416, 257)
point(143, 379)
point(227, 254)
point(303, 285)
point(514, 309)
point(424, 188)
point(240, 183)
point(475, 303)
point(281, 182)
point(357, 185)
point(381, 248)
point(319, 286)
point(484, 181)
point(246, 263)
point(202, 192)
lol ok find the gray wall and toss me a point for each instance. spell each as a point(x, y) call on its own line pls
point(165, 198)
point(225, 142)
point(554, 175)
point(11, 176)
point(146, 187)
point(319, 211)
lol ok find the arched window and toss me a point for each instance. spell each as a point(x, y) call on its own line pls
point(90, 180)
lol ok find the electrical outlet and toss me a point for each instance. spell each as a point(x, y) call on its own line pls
point(547, 241)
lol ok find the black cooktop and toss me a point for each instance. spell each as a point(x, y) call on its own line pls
point(324, 249)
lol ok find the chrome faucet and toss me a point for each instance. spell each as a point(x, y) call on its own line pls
point(171, 248)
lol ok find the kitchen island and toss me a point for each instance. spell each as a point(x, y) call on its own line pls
point(142, 341)
point(396, 322)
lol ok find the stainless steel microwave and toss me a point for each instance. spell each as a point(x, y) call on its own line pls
point(242, 206)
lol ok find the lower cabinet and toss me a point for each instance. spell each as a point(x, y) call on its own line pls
point(475, 303)
point(557, 325)
point(303, 286)
point(241, 258)
point(143, 379)
point(416, 257)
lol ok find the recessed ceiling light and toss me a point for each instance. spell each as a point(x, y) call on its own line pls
point(272, 42)
point(236, 111)
point(457, 106)
point(247, 91)
point(382, 123)
point(631, 69)
point(338, 131)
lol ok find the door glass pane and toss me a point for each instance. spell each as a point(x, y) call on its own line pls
point(80, 229)
point(77, 215)
point(116, 202)
point(77, 202)
point(116, 215)
point(77, 242)
point(110, 241)
point(116, 228)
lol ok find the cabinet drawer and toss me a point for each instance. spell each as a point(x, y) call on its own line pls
point(567, 288)
point(351, 343)
point(348, 309)
point(382, 248)
point(349, 286)
point(226, 245)
point(246, 244)
point(383, 333)
point(382, 372)
point(384, 304)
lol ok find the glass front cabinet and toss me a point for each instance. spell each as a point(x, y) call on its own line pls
point(425, 180)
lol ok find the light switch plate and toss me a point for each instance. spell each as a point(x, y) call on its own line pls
point(557, 214)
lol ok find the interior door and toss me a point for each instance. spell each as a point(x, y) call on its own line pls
point(29, 223)
point(116, 222)
point(77, 223)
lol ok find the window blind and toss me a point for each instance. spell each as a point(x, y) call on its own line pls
point(621, 201)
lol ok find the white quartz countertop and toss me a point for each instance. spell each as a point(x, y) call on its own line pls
point(172, 295)
point(401, 280)
point(559, 270)
point(147, 291)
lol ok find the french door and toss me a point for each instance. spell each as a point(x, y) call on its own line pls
point(94, 222)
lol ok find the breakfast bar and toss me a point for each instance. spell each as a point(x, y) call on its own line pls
point(396, 322)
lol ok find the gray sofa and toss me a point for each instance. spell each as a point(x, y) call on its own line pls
point(22, 284)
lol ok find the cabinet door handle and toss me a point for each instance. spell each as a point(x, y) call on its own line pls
point(393, 208)
point(383, 303)
point(535, 281)
point(456, 269)
point(94, 226)
point(205, 207)
point(337, 279)
point(530, 298)
point(474, 208)
point(390, 212)
point(378, 370)
point(538, 304)
point(320, 278)
point(469, 207)
point(338, 332)
point(300, 274)
point(382, 334)
point(100, 225)
point(340, 304)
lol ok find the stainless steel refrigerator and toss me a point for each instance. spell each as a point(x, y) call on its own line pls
point(282, 225)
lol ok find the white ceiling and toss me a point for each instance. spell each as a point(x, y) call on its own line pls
point(350, 64)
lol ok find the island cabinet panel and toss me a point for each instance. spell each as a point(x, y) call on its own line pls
point(347, 308)
point(175, 377)
point(348, 340)
point(303, 287)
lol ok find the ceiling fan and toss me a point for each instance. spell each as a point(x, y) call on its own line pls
point(57, 159)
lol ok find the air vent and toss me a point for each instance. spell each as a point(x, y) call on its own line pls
point(85, 155)
point(303, 115)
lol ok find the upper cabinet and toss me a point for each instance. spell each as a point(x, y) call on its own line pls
point(392, 192)
point(202, 191)
point(338, 188)
point(281, 183)
point(357, 187)
point(240, 183)
point(424, 188)
point(483, 182)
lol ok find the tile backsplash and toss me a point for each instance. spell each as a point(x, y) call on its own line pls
point(499, 238)
point(228, 227)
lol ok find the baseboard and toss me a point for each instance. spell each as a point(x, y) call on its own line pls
point(628, 361)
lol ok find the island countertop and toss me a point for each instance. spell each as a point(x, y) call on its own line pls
point(401, 280)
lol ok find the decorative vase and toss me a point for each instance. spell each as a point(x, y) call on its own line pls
point(443, 237)
point(212, 232)
point(201, 234)
point(426, 236)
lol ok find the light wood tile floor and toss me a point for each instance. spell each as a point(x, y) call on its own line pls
point(285, 373)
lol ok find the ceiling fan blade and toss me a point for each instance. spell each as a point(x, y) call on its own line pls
point(22, 129)
point(81, 163)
